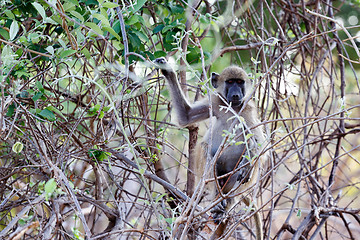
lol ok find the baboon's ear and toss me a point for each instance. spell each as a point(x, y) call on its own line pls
point(214, 79)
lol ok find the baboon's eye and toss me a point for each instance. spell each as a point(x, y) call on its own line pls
point(239, 81)
point(230, 81)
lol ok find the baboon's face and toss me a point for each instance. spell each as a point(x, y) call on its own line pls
point(231, 84)
point(234, 91)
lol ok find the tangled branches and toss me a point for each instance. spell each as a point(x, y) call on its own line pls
point(88, 149)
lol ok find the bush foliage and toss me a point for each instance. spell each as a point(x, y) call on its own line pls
point(88, 148)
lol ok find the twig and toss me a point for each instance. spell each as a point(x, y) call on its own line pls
point(147, 174)
point(25, 49)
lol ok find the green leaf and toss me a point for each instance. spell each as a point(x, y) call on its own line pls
point(105, 109)
point(47, 114)
point(141, 35)
point(39, 86)
point(303, 27)
point(37, 96)
point(177, 9)
point(249, 136)
point(170, 220)
point(40, 9)
point(215, 25)
point(101, 115)
point(160, 197)
point(110, 30)
point(239, 143)
point(68, 7)
point(255, 61)
point(90, 2)
point(103, 19)
point(134, 40)
point(51, 21)
point(137, 6)
point(79, 36)
point(4, 33)
point(110, 5)
point(78, 16)
point(95, 108)
point(17, 147)
point(11, 110)
point(134, 19)
point(50, 50)
point(158, 28)
point(158, 54)
point(75, 2)
point(50, 186)
point(86, 52)
point(34, 37)
point(203, 19)
point(54, 109)
point(94, 27)
point(9, 14)
point(167, 28)
point(148, 55)
point(14, 29)
point(67, 53)
point(118, 45)
point(290, 186)
point(99, 155)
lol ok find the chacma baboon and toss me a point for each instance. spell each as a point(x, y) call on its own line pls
point(232, 140)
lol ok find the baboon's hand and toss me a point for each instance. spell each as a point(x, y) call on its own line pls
point(168, 72)
point(162, 64)
point(219, 211)
point(160, 61)
point(244, 173)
